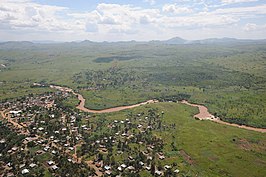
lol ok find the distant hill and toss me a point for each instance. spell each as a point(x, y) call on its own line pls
point(172, 41)
point(17, 42)
point(178, 40)
point(16, 45)
point(175, 40)
point(225, 41)
point(216, 40)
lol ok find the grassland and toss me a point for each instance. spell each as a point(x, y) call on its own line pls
point(214, 149)
point(229, 79)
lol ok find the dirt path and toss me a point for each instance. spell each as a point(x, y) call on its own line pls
point(205, 115)
point(202, 115)
point(82, 101)
point(88, 162)
point(22, 128)
point(17, 125)
point(82, 107)
point(203, 111)
point(97, 170)
point(262, 130)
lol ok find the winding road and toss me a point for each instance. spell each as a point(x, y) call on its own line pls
point(202, 115)
point(81, 105)
point(205, 115)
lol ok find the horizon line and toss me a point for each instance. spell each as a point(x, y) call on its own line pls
point(132, 40)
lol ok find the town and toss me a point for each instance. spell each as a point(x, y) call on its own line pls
point(40, 136)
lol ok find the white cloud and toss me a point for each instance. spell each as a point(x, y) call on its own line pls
point(106, 21)
point(123, 31)
point(28, 15)
point(199, 20)
point(124, 18)
point(236, 1)
point(254, 27)
point(250, 27)
point(243, 12)
point(173, 8)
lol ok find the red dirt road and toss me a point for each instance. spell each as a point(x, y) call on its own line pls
point(202, 115)
point(205, 115)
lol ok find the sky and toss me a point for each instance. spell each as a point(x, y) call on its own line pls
point(124, 20)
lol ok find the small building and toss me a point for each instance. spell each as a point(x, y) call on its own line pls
point(22, 165)
point(107, 167)
point(50, 162)
point(108, 172)
point(98, 165)
point(141, 163)
point(39, 152)
point(14, 149)
point(167, 167)
point(176, 171)
point(46, 148)
point(148, 168)
point(130, 158)
point(32, 165)
point(159, 173)
point(149, 158)
point(25, 171)
point(161, 157)
point(15, 112)
point(123, 165)
point(54, 167)
point(40, 128)
point(2, 141)
point(130, 168)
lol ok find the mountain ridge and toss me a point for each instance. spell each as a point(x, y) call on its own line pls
point(172, 41)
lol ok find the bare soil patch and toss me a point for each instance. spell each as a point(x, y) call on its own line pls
point(187, 158)
point(205, 115)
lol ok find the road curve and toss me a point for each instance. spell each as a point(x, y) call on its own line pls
point(81, 105)
point(205, 115)
point(202, 115)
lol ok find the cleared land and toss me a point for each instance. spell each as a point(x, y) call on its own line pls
point(202, 148)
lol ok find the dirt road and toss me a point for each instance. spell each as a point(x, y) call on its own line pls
point(82, 101)
point(202, 115)
point(82, 107)
point(205, 115)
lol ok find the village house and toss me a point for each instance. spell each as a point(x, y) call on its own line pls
point(25, 171)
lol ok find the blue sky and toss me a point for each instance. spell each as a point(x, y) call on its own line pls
point(120, 20)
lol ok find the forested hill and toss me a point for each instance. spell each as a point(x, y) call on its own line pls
point(172, 41)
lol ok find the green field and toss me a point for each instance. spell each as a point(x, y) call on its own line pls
point(214, 149)
point(229, 79)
